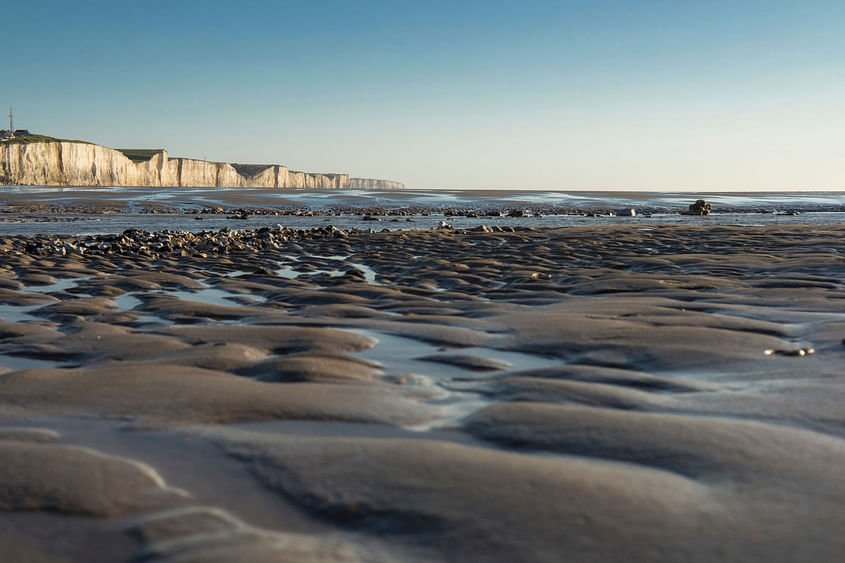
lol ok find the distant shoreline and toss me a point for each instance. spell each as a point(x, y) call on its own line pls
point(41, 160)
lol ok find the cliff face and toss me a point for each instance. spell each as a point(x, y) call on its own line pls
point(372, 184)
point(62, 163)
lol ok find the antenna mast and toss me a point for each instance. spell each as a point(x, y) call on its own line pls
point(11, 128)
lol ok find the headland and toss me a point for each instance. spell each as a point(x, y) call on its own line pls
point(38, 160)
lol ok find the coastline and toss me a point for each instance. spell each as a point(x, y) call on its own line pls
point(46, 161)
point(340, 395)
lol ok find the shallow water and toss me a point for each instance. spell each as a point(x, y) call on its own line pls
point(21, 362)
point(455, 387)
point(346, 208)
point(293, 272)
point(322, 199)
point(19, 313)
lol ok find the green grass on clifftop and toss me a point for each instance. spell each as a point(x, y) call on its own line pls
point(140, 155)
point(36, 138)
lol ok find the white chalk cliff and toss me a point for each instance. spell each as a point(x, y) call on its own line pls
point(69, 163)
point(373, 184)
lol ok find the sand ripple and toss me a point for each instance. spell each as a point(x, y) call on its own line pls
point(585, 394)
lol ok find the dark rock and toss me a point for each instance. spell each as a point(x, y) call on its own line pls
point(700, 207)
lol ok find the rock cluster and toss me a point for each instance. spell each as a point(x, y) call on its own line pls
point(700, 207)
point(135, 242)
point(180, 243)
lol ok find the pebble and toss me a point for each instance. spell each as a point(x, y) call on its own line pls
point(183, 243)
point(799, 352)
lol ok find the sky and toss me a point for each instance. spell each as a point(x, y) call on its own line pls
point(594, 94)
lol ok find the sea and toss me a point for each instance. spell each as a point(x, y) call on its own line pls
point(49, 210)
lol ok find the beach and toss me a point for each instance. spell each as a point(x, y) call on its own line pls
point(589, 393)
point(400, 282)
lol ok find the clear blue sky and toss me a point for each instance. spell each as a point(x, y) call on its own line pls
point(595, 94)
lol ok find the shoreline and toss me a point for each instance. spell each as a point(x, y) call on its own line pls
point(519, 210)
point(459, 203)
point(350, 395)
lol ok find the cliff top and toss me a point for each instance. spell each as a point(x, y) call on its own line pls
point(36, 138)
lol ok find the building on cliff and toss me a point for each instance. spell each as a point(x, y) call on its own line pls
point(10, 132)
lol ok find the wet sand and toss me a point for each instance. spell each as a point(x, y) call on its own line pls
point(640, 393)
